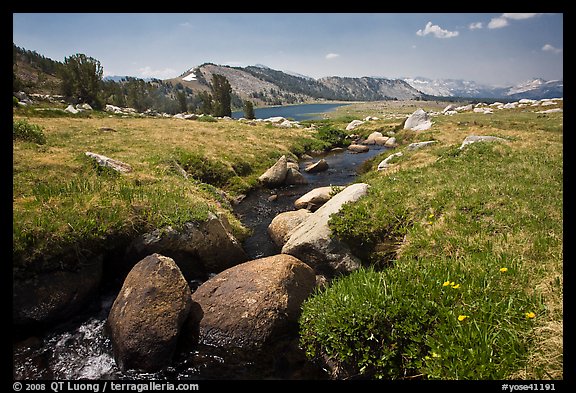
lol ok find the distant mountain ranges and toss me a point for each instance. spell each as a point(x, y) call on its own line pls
point(536, 88)
point(265, 86)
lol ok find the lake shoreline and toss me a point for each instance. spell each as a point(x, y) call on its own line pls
point(297, 112)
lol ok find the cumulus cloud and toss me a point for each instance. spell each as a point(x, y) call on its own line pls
point(475, 25)
point(148, 72)
point(550, 48)
point(519, 16)
point(437, 31)
point(331, 56)
point(498, 23)
point(502, 20)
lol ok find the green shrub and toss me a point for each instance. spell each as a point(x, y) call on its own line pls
point(15, 101)
point(425, 318)
point(326, 138)
point(366, 324)
point(203, 169)
point(207, 118)
point(332, 137)
point(25, 131)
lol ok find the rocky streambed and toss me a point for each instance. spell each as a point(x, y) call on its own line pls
point(231, 328)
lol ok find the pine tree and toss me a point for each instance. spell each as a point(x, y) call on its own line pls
point(249, 110)
point(181, 97)
point(81, 79)
point(206, 99)
point(221, 91)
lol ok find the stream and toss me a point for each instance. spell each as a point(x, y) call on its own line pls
point(81, 349)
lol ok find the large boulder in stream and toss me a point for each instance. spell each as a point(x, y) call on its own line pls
point(281, 226)
point(276, 174)
point(312, 241)
point(252, 304)
point(294, 176)
point(197, 248)
point(354, 148)
point(148, 313)
point(315, 198)
point(319, 166)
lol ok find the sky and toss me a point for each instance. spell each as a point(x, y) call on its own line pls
point(491, 48)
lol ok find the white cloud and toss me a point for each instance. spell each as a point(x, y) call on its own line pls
point(437, 31)
point(519, 16)
point(148, 72)
point(475, 25)
point(497, 23)
point(550, 48)
point(331, 56)
point(502, 20)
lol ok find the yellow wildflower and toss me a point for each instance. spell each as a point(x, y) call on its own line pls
point(456, 286)
point(446, 283)
point(462, 317)
point(435, 355)
point(503, 269)
point(431, 215)
point(530, 315)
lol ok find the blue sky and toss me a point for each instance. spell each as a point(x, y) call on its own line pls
point(493, 48)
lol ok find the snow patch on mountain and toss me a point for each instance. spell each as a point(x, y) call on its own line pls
point(190, 77)
point(526, 86)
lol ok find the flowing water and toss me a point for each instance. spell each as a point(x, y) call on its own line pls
point(81, 349)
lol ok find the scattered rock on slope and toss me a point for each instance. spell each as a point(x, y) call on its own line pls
point(418, 121)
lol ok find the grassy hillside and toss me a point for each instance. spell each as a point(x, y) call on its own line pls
point(467, 246)
point(62, 199)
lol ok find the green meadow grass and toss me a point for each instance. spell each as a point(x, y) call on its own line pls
point(464, 249)
point(63, 202)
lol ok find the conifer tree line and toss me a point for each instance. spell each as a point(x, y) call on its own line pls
point(82, 82)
